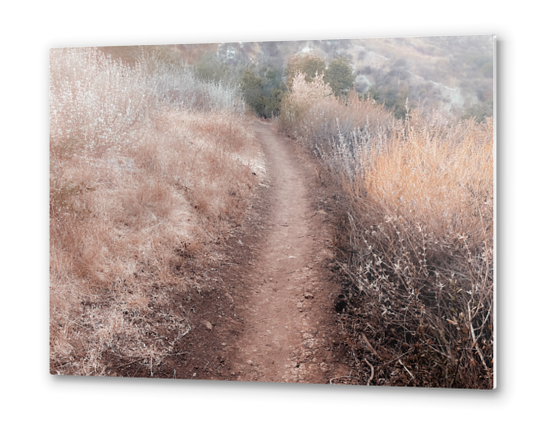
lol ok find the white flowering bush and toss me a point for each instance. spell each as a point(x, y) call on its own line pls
point(97, 103)
point(302, 97)
point(94, 101)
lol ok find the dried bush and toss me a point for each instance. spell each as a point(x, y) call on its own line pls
point(417, 251)
point(299, 101)
point(148, 167)
point(420, 261)
point(312, 113)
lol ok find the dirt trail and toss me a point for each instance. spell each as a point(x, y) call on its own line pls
point(283, 295)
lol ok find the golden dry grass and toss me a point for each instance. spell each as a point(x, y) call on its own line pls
point(442, 177)
point(421, 219)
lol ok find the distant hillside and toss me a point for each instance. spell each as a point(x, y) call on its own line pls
point(453, 74)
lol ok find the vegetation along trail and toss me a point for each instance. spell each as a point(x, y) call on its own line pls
point(340, 232)
point(283, 297)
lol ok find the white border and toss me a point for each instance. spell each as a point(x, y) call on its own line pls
point(31, 28)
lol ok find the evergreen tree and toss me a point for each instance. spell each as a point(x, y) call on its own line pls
point(263, 89)
point(339, 76)
point(308, 63)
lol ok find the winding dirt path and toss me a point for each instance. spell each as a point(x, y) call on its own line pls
point(284, 296)
point(266, 307)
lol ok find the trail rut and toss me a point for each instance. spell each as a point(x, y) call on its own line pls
point(284, 296)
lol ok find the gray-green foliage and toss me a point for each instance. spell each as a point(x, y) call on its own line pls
point(211, 69)
point(263, 88)
point(479, 111)
point(393, 98)
point(309, 64)
point(339, 76)
point(260, 86)
point(338, 73)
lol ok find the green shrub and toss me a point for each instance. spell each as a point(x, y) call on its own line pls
point(309, 64)
point(263, 90)
point(339, 76)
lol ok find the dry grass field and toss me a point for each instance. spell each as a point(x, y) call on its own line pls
point(148, 169)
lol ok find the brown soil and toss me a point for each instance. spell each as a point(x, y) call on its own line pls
point(286, 299)
point(272, 318)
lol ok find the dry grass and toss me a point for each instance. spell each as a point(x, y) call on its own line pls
point(417, 243)
point(421, 257)
point(142, 184)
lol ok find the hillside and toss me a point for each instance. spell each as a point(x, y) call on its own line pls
point(452, 74)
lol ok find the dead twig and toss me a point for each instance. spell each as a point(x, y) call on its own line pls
point(335, 378)
point(407, 370)
point(371, 348)
point(399, 357)
point(372, 371)
point(140, 365)
point(474, 340)
point(125, 365)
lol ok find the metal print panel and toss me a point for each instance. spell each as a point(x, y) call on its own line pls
point(299, 212)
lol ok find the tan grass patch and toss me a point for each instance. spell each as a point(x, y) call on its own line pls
point(136, 201)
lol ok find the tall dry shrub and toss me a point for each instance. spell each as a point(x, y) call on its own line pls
point(418, 249)
point(302, 96)
point(148, 166)
point(310, 112)
point(421, 258)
